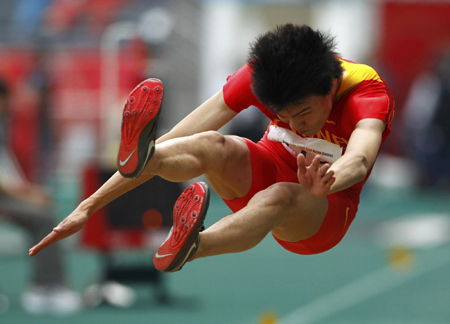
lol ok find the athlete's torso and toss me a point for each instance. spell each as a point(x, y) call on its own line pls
point(362, 94)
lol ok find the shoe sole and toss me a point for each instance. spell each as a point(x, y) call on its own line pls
point(185, 252)
point(146, 142)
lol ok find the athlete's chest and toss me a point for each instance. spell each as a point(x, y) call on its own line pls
point(330, 132)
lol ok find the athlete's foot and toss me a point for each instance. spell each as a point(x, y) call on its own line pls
point(188, 215)
point(138, 135)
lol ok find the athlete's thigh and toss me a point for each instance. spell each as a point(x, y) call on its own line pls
point(234, 179)
point(303, 212)
point(263, 173)
point(341, 211)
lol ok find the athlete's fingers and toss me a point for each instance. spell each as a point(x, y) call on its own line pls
point(315, 163)
point(328, 176)
point(331, 182)
point(302, 171)
point(51, 238)
point(301, 162)
point(323, 169)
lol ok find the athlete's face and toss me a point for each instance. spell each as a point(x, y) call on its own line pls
point(309, 116)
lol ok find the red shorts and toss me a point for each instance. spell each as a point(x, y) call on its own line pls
point(271, 163)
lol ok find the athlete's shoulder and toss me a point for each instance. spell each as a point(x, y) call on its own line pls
point(362, 94)
point(243, 74)
point(359, 71)
point(357, 74)
point(237, 91)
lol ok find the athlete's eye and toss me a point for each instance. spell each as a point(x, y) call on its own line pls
point(282, 119)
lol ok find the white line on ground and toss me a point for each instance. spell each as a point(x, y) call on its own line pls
point(363, 289)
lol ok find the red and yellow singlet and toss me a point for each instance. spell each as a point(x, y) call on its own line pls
point(362, 94)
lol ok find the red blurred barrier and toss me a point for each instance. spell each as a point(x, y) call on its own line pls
point(74, 76)
point(412, 33)
point(98, 233)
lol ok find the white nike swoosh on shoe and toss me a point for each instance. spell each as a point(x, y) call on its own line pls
point(159, 256)
point(122, 163)
point(187, 256)
point(150, 145)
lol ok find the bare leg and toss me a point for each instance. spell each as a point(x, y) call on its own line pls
point(286, 209)
point(224, 159)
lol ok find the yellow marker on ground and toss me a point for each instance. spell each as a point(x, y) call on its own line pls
point(268, 317)
point(401, 258)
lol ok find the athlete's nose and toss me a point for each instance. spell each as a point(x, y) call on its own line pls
point(296, 125)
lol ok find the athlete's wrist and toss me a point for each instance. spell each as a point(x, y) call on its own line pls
point(89, 206)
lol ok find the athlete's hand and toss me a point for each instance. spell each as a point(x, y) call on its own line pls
point(72, 224)
point(317, 178)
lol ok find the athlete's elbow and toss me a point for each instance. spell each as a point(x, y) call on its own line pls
point(363, 168)
point(360, 175)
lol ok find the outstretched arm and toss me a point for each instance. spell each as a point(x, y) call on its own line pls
point(211, 115)
point(351, 168)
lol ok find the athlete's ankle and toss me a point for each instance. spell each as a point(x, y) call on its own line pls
point(152, 165)
point(197, 253)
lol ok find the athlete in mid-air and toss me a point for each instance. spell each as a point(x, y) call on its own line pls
point(301, 181)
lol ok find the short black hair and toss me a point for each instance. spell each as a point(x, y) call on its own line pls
point(291, 63)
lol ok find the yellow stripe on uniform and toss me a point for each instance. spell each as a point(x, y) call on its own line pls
point(354, 74)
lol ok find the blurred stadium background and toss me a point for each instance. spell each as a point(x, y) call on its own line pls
point(70, 65)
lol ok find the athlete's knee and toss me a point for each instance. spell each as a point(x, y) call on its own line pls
point(215, 139)
point(209, 139)
point(214, 146)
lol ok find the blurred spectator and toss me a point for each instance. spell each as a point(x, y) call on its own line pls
point(26, 18)
point(62, 15)
point(29, 206)
point(427, 122)
point(39, 85)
